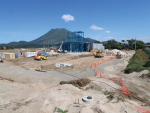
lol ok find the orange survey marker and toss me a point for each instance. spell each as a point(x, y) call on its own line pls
point(141, 110)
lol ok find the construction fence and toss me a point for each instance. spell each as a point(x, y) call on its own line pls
point(94, 65)
point(118, 80)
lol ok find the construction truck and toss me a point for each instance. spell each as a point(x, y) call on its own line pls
point(60, 50)
point(119, 55)
point(40, 57)
point(98, 54)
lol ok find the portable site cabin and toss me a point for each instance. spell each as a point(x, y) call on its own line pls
point(30, 54)
point(9, 55)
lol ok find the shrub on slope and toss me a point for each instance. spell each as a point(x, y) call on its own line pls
point(137, 62)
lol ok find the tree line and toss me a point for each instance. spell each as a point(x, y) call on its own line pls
point(124, 44)
point(7, 47)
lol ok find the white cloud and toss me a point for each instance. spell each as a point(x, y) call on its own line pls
point(107, 31)
point(68, 17)
point(13, 36)
point(114, 33)
point(94, 27)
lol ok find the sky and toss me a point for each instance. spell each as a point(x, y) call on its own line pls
point(26, 20)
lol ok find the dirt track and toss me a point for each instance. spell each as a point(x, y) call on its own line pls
point(82, 63)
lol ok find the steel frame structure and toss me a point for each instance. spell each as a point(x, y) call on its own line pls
point(75, 42)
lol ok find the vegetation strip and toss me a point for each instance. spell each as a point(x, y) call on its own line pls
point(139, 61)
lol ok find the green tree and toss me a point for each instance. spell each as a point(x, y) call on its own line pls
point(131, 42)
point(123, 41)
point(107, 46)
point(11, 47)
point(7, 47)
point(131, 47)
point(1, 48)
point(112, 43)
point(140, 44)
point(97, 42)
point(120, 46)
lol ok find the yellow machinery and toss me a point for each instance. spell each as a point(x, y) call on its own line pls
point(98, 54)
point(41, 57)
point(119, 55)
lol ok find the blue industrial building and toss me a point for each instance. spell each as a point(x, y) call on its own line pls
point(75, 42)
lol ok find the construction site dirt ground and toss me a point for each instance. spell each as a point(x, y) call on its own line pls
point(43, 93)
point(84, 61)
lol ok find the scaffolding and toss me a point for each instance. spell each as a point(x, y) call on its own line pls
point(75, 42)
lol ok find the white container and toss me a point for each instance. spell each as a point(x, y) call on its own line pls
point(30, 54)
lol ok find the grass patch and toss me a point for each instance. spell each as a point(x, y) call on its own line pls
point(139, 61)
point(110, 97)
point(108, 93)
point(79, 82)
point(60, 110)
point(87, 88)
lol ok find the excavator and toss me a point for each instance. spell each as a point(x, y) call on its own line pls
point(98, 54)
